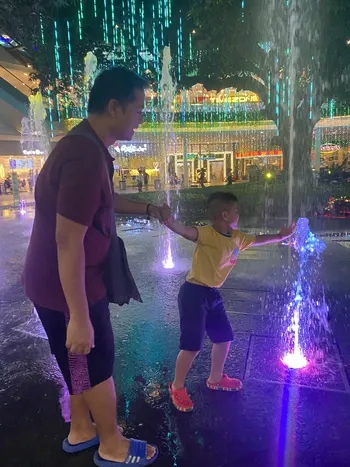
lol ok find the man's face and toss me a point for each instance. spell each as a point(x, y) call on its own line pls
point(126, 119)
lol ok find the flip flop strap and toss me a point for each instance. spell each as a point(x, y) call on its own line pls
point(137, 451)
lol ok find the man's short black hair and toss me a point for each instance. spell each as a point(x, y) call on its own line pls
point(220, 201)
point(117, 83)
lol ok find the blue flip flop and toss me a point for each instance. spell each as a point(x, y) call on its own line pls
point(137, 456)
point(75, 448)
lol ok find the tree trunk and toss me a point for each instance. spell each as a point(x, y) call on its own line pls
point(299, 149)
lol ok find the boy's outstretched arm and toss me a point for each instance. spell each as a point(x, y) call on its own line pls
point(285, 233)
point(190, 233)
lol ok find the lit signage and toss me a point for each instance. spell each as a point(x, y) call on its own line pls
point(37, 152)
point(21, 163)
point(330, 148)
point(130, 148)
point(236, 99)
point(245, 155)
point(202, 157)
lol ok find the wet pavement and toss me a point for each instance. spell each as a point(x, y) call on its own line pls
point(280, 419)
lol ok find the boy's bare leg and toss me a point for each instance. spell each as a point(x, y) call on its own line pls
point(218, 358)
point(81, 427)
point(183, 365)
point(102, 402)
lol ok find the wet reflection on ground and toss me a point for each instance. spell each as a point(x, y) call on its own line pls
point(274, 421)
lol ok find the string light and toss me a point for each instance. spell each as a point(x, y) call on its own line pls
point(79, 25)
point(57, 54)
point(106, 19)
point(42, 30)
point(50, 112)
point(190, 47)
point(311, 98)
point(70, 54)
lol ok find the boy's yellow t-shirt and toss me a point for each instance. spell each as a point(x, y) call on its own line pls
point(215, 255)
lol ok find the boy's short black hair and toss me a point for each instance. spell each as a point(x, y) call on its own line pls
point(219, 201)
point(117, 83)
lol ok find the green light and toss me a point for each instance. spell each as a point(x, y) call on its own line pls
point(191, 50)
point(70, 54)
point(268, 175)
point(179, 45)
point(42, 30)
point(106, 20)
point(57, 54)
point(142, 34)
point(79, 25)
point(113, 26)
point(50, 112)
point(133, 22)
point(95, 8)
point(58, 108)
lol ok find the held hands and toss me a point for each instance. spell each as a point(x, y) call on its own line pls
point(287, 232)
point(165, 214)
point(80, 336)
point(162, 213)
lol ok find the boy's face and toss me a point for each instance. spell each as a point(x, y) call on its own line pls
point(232, 216)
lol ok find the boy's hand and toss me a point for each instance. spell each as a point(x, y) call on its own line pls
point(287, 232)
point(165, 213)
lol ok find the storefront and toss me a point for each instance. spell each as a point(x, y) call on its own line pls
point(258, 159)
point(25, 168)
point(215, 164)
point(133, 160)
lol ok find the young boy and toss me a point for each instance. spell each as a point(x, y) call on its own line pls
point(200, 303)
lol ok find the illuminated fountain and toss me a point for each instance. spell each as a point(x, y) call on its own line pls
point(307, 306)
point(34, 142)
point(167, 92)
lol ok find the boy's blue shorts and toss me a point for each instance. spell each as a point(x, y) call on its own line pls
point(202, 310)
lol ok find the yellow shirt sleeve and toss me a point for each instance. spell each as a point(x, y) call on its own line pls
point(245, 240)
point(205, 235)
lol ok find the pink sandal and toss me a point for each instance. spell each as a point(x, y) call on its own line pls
point(226, 384)
point(181, 399)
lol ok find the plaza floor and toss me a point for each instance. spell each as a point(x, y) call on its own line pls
point(279, 419)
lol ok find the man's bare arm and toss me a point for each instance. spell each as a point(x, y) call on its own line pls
point(71, 265)
point(123, 205)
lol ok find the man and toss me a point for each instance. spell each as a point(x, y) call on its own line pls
point(63, 273)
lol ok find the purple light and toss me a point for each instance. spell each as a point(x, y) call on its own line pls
point(22, 207)
point(168, 262)
point(309, 249)
point(295, 361)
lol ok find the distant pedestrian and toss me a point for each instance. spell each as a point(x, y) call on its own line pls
point(229, 177)
point(140, 181)
point(200, 304)
point(201, 177)
point(145, 179)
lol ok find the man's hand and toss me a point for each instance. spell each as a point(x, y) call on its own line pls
point(287, 232)
point(154, 211)
point(165, 213)
point(80, 336)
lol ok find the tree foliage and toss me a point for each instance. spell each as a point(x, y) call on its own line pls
point(293, 53)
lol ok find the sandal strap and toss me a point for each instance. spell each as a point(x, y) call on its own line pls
point(137, 451)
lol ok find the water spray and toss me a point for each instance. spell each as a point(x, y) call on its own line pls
point(309, 248)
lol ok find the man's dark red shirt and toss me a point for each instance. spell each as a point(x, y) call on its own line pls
point(73, 183)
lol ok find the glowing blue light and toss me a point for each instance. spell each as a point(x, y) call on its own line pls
point(309, 248)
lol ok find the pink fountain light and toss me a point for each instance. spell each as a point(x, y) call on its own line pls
point(168, 262)
point(22, 207)
point(295, 360)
